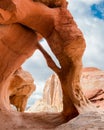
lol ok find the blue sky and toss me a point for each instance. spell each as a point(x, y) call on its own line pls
point(98, 10)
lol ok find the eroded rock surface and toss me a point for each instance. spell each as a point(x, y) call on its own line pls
point(20, 88)
point(92, 81)
point(86, 121)
point(92, 78)
point(52, 3)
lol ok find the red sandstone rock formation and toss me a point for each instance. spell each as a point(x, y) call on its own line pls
point(18, 40)
point(20, 88)
point(14, 50)
point(52, 3)
point(92, 82)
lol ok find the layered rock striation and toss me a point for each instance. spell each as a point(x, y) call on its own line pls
point(92, 81)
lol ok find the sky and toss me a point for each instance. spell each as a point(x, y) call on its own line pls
point(89, 16)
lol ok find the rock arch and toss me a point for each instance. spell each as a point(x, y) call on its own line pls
point(66, 41)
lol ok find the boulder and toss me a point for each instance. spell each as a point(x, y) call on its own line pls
point(20, 88)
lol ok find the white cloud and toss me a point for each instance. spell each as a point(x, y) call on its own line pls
point(89, 2)
point(93, 30)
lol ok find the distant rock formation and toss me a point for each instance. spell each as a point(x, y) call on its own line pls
point(92, 81)
point(52, 93)
point(20, 88)
point(52, 97)
point(92, 78)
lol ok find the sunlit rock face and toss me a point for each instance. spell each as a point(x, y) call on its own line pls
point(92, 82)
point(20, 88)
point(52, 93)
point(92, 78)
point(52, 97)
